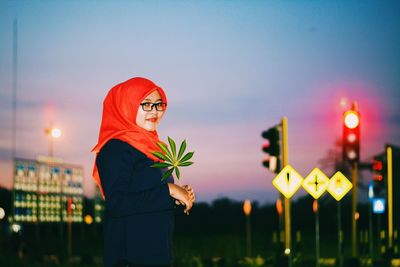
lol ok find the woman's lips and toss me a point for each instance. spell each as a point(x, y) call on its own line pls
point(152, 120)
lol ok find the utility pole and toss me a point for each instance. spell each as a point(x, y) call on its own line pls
point(354, 171)
point(389, 155)
point(285, 159)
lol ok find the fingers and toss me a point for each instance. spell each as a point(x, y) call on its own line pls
point(191, 196)
point(190, 191)
point(189, 203)
point(184, 195)
point(188, 188)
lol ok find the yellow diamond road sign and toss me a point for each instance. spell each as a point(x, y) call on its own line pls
point(339, 186)
point(288, 181)
point(316, 183)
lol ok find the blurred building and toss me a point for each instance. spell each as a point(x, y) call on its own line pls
point(98, 206)
point(42, 190)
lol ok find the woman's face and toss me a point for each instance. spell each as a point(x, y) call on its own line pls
point(149, 115)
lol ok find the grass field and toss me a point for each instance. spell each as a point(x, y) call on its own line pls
point(201, 250)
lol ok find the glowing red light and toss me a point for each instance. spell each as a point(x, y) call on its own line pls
point(351, 119)
point(377, 165)
point(265, 147)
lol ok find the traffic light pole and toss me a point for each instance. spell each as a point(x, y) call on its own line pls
point(285, 157)
point(354, 171)
point(340, 234)
point(390, 197)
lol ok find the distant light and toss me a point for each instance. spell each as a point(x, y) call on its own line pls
point(88, 219)
point(287, 251)
point(279, 207)
point(343, 103)
point(247, 207)
point(378, 205)
point(2, 213)
point(315, 206)
point(370, 191)
point(16, 228)
point(357, 216)
point(351, 119)
point(55, 132)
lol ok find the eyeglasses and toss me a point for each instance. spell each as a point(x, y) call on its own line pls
point(148, 106)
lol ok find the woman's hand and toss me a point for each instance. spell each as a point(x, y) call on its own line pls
point(192, 196)
point(182, 196)
point(189, 189)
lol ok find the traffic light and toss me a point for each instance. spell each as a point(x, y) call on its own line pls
point(273, 149)
point(351, 135)
point(379, 173)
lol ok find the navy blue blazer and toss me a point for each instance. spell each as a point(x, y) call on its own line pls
point(139, 218)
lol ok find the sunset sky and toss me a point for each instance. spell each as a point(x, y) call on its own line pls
point(231, 69)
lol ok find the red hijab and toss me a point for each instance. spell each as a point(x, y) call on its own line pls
point(119, 119)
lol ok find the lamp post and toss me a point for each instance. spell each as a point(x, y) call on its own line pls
point(53, 133)
point(2, 215)
point(315, 207)
point(370, 227)
point(247, 211)
point(70, 207)
point(279, 210)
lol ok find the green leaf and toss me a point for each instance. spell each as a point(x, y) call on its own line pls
point(187, 157)
point(177, 172)
point(185, 164)
point(167, 174)
point(173, 146)
point(161, 165)
point(182, 149)
point(165, 149)
point(160, 155)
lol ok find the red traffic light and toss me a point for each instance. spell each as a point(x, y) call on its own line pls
point(351, 135)
point(273, 145)
point(266, 147)
point(272, 148)
point(351, 119)
point(377, 165)
point(379, 174)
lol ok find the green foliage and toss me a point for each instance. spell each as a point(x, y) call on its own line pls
point(171, 160)
point(252, 262)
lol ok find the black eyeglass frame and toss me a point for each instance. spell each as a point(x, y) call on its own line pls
point(154, 105)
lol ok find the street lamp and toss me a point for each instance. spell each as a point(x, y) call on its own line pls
point(53, 133)
point(247, 211)
point(315, 208)
point(88, 219)
point(2, 214)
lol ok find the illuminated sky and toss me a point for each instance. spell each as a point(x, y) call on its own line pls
point(230, 70)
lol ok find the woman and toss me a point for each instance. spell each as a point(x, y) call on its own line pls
point(138, 224)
